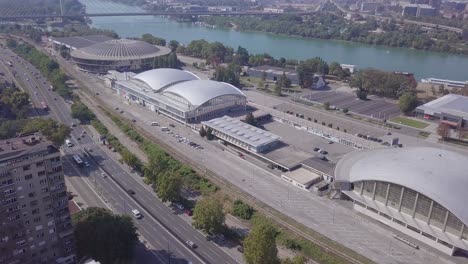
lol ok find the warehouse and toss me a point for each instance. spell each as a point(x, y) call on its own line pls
point(451, 109)
point(419, 191)
point(241, 134)
point(178, 94)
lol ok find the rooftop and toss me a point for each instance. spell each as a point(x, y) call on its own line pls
point(302, 176)
point(20, 146)
point(437, 173)
point(320, 165)
point(242, 131)
point(120, 49)
point(79, 42)
point(158, 79)
point(453, 104)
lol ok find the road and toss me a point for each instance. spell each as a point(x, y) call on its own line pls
point(160, 226)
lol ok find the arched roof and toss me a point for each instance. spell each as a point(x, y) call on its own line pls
point(118, 49)
point(198, 92)
point(439, 174)
point(158, 79)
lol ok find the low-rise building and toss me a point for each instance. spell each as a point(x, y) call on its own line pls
point(450, 109)
point(301, 178)
point(273, 74)
point(369, 6)
point(241, 134)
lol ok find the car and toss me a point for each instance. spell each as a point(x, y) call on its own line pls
point(55, 98)
point(379, 140)
point(199, 147)
point(330, 142)
point(136, 214)
point(316, 149)
point(323, 158)
point(89, 149)
point(116, 108)
point(240, 249)
point(324, 152)
point(86, 164)
point(130, 191)
point(180, 206)
point(154, 124)
point(133, 120)
point(188, 212)
point(389, 133)
point(191, 244)
point(73, 125)
point(104, 175)
point(171, 125)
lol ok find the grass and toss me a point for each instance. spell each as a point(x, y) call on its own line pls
point(424, 134)
point(409, 122)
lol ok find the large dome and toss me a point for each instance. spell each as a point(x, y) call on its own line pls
point(439, 174)
point(118, 49)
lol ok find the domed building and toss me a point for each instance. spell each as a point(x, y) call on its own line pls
point(419, 191)
point(117, 54)
point(180, 94)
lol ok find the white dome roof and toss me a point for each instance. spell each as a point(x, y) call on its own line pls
point(197, 92)
point(439, 174)
point(158, 79)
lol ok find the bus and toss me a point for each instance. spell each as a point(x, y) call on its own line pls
point(44, 106)
point(78, 160)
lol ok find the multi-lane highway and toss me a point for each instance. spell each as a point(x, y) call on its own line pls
point(162, 227)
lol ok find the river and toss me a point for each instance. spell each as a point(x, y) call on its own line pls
point(423, 64)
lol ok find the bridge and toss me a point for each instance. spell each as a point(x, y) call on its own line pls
point(53, 16)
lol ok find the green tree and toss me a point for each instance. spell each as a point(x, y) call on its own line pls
point(209, 133)
point(443, 130)
point(326, 105)
point(277, 89)
point(202, 132)
point(336, 69)
point(295, 260)
point(407, 102)
point(81, 112)
point(242, 56)
point(153, 40)
point(242, 210)
point(209, 215)
point(173, 45)
point(361, 94)
point(15, 102)
point(104, 236)
point(168, 186)
point(284, 81)
point(260, 244)
point(264, 76)
point(51, 129)
point(346, 110)
point(11, 43)
point(131, 159)
point(250, 119)
point(229, 75)
point(64, 52)
point(308, 68)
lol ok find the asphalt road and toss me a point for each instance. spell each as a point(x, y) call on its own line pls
point(160, 225)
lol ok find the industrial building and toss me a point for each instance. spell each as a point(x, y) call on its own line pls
point(78, 42)
point(118, 55)
point(272, 73)
point(419, 191)
point(419, 10)
point(450, 109)
point(35, 221)
point(179, 94)
point(241, 134)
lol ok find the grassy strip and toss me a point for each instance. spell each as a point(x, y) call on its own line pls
point(409, 122)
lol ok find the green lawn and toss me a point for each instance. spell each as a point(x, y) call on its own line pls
point(409, 122)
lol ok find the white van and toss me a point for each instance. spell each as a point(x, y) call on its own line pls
point(136, 214)
point(154, 124)
point(68, 143)
point(164, 129)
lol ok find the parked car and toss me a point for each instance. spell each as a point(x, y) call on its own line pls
point(240, 249)
point(316, 149)
point(188, 212)
point(330, 142)
point(324, 152)
point(131, 192)
point(171, 125)
point(180, 206)
point(104, 175)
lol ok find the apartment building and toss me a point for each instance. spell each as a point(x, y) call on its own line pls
point(35, 223)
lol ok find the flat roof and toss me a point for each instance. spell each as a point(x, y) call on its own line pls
point(453, 104)
point(79, 42)
point(302, 176)
point(20, 146)
point(242, 131)
point(274, 70)
point(320, 165)
point(285, 155)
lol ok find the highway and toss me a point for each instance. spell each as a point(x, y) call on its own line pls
point(164, 230)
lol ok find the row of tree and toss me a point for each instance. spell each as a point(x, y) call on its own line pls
point(382, 83)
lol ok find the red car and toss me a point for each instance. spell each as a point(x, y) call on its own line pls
point(188, 212)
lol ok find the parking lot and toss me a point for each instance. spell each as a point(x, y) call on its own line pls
point(373, 107)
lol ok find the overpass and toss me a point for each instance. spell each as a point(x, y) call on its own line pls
point(52, 16)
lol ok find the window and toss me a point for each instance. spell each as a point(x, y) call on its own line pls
point(9, 191)
point(381, 191)
point(30, 185)
point(368, 188)
point(454, 225)
point(6, 182)
point(43, 181)
point(28, 177)
point(31, 194)
point(465, 233)
point(37, 219)
point(438, 214)
point(35, 211)
point(39, 164)
point(422, 208)
point(41, 173)
point(26, 167)
point(407, 203)
point(394, 195)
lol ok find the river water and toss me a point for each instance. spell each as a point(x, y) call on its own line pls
point(423, 64)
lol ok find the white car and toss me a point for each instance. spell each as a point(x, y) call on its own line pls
point(104, 175)
point(136, 214)
point(190, 244)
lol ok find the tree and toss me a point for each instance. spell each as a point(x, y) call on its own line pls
point(15, 101)
point(64, 52)
point(346, 110)
point(202, 132)
point(81, 112)
point(277, 89)
point(131, 159)
point(242, 56)
point(250, 119)
point(229, 75)
point(284, 81)
point(209, 134)
point(260, 244)
point(407, 102)
point(326, 105)
point(308, 68)
point(51, 129)
point(209, 215)
point(174, 44)
point(264, 76)
point(153, 40)
point(168, 186)
point(443, 130)
point(336, 69)
point(361, 94)
point(104, 236)
point(242, 210)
